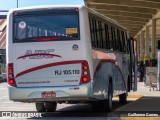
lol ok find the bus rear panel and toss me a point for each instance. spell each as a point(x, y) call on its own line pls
point(44, 60)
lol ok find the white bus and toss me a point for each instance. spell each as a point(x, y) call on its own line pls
point(59, 54)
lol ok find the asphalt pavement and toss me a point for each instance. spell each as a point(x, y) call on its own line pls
point(142, 102)
point(145, 107)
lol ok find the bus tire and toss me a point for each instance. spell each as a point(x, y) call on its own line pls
point(40, 107)
point(123, 98)
point(50, 106)
point(128, 85)
point(107, 103)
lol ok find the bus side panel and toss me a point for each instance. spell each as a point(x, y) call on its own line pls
point(109, 66)
point(9, 39)
point(86, 39)
point(101, 79)
point(104, 72)
point(86, 42)
point(122, 60)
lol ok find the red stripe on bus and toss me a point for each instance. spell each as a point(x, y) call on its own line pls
point(101, 63)
point(48, 65)
point(107, 61)
point(44, 54)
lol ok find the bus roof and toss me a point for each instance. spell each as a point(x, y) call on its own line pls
point(65, 6)
point(45, 6)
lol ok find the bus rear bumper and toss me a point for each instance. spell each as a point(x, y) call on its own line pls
point(62, 94)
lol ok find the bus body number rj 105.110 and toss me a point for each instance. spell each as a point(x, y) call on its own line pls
point(66, 72)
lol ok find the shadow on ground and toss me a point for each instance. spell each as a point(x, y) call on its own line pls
point(81, 110)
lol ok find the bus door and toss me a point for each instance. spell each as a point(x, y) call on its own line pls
point(132, 83)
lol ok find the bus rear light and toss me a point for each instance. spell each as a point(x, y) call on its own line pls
point(76, 9)
point(85, 77)
point(10, 70)
point(11, 80)
point(10, 75)
point(85, 73)
point(85, 67)
point(15, 13)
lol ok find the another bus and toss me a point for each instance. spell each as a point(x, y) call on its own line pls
point(59, 54)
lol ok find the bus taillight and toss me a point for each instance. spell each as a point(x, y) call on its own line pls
point(85, 67)
point(85, 77)
point(76, 9)
point(11, 80)
point(15, 13)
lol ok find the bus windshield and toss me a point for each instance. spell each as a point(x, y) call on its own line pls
point(37, 28)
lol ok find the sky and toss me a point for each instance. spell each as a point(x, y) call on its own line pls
point(10, 4)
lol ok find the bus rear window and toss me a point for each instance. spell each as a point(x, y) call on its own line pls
point(39, 28)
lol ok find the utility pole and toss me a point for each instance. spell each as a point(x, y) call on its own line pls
point(17, 3)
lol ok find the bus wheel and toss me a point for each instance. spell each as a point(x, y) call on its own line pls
point(50, 106)
point(40, 107)
point(107, 103)
point(123, 98)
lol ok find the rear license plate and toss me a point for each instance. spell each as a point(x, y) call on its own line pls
point(48, 94)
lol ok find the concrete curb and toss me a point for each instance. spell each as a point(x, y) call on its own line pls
point(131, 96)
point(134, 95)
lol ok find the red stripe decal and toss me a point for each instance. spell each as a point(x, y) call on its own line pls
point(101, 63)
point(111, 61)
point(48, 65)
point(44, 54)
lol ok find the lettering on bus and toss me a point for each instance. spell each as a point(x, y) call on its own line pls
point(67, 72)
point(34, 82)
point(39, 54)
point(70, 80)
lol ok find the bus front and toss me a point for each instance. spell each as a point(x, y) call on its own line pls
point(44, 59)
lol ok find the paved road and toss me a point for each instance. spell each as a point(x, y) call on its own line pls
point(150, 100)
point(148, 103)
point(64, 111)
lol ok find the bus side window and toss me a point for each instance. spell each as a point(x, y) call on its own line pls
point(91, 31)
point(113, 38)
point(94, 33)
point(100, 35)
point(123, 41)
point(116, 41)
point(119, 41)
point(107, 37)
point(126, 43)
point(110, 39)
point(104, 45)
